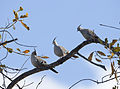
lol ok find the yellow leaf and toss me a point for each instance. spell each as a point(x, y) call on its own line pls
point(98, 60)
point(112, 54)
point(25, 25)
point(45, 57)
point(27, 14)
point(90, 56)
point(26, 51)
point(10, 50)
point(101, 53)
point(16, 14)
point(18, 49)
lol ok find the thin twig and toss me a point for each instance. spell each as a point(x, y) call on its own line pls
point(109, 26)
point(26, 85)
point(95, 81)
point(4, 57)
point(10, 79)
point(40, 81)
point(15, 41)
point(83, 80)
point(21, 68)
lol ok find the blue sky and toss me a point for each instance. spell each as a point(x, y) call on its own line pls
point(50, 18)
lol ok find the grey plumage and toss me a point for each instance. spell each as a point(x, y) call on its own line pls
point(38, 62)
point(60, 51)
point(88, 34)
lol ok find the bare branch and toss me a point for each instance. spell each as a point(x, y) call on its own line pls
point(40, 81)
point(15, 41)
point(52, 65)
point(21, 67)
point(9, 79)
point(95, 81)
point(101, 66)
point(8, 41)
point(26, 85)
point(109, 26)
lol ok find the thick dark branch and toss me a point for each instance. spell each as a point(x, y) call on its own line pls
point(8, 41)
point(52, 65)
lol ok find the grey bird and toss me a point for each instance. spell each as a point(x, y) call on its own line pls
point(88, 34)
point(60, 51)
point(38, 62)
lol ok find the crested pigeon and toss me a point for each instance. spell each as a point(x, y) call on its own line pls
point(38, 62)
point(60, 51)
point(88, 34)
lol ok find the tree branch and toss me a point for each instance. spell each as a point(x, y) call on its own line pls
point(8, 41)
point(109, 26)
point(52, 65)
point(101, 66)
point(95, 81)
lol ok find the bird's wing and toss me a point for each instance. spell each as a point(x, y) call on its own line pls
point(92, 33)
point(40, 60)
point(65, 51)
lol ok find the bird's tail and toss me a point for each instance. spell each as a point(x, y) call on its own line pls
point(53, 70)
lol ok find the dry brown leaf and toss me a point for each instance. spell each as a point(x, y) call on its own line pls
point(24, 16)
point(45, 57)
point(18, 49)
point(21, 9)
point(98, 60)
point(101, 53)
point(25, 25)
point(114, 41)
point(90, 56)
point(16, 14)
